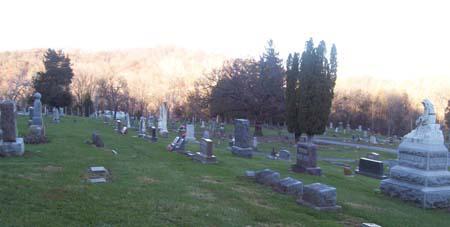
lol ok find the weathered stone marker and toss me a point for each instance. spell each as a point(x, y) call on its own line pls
point(421, 175)
point(307, 159)
point(319, 197)
point(8, 121)
point(190, 132)
point(289, 186)
point(37, 110)
point(242, 146)
point(267, 177)
point(205, 155)
point(10, 144)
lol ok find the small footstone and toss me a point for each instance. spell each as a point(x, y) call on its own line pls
point(267, 177)
point(320, 197)
point(370, 225)
point(98, 169)
point(289, 186)
point(97, 180)
point(250, 174)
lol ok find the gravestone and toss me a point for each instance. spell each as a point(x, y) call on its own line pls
point(37, 110)
point(307, 159)
point(190, 132)
point(203, 124)
point(371, 168)
point(97, 140)
point(178, 144)
point(360, 128)
point(365, 134)
point(284, 155)
point(289, 186)
point(127, 120)
point(331, 125)
point(154, 138)
point(320, 197)
point(55, 115)
point(162, 121)
point(242, 139)
point(421, 175)
point(205, 155)
point(373, 140)
point(98, 174)
point(142, 128)
point(267, 177)
point(10, 145)
point(205, 134)
point(255, 143)
point(31, 111)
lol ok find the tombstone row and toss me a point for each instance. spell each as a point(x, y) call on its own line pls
point(318, 196)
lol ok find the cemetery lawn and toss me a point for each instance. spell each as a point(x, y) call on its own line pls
point(152, 187)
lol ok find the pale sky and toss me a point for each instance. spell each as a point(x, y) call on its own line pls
point(374, 38)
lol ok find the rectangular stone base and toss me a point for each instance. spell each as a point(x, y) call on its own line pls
point(12, 148)
point(425, 197)
point(327, 208)
point(200, 157)
point(242, 152)
point(357, 171)
point(316, 171)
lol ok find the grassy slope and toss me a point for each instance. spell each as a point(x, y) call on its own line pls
point(150, 186)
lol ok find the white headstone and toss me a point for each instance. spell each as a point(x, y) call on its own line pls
point(373, 140)
point(55, 115)
point(142, 129)
point(127, 119)
point(203, 124)
point(190, 132)
point(255, 142)
point(162, 121)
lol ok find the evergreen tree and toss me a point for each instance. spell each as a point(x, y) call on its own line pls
point(54, 83)
point(292, 71)
point(317, 80)
point(272, 81)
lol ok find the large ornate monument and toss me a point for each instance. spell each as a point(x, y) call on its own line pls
point(162, 121)
point(422, 174)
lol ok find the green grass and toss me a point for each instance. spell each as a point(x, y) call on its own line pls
point(152, 187)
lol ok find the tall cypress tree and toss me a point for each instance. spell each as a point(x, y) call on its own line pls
point(54, 83)
point(317, 81)
point(292, 71)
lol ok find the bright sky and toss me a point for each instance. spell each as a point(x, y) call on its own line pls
point(374, 38)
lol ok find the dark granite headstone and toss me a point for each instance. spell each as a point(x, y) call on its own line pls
point(307, 159)
point(97, 140)
point(371, 168)
point(154, 137)
point(242, 139)
point(31, 110)
point(8, 121)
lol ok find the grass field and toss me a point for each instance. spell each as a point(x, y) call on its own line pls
point(152, 187)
